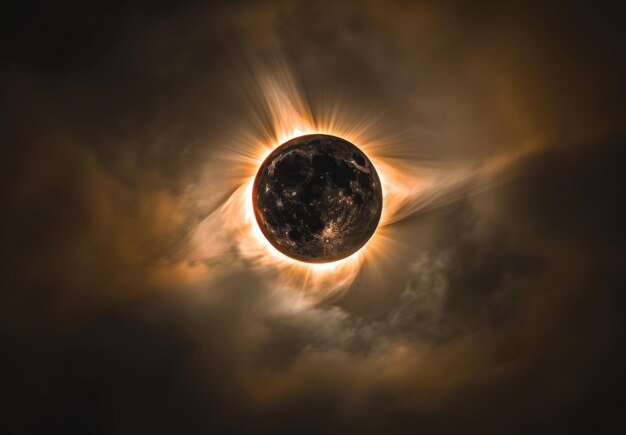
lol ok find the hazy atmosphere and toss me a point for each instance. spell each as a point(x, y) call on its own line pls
point(138, 295)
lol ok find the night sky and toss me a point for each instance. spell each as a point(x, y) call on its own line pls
point(495, 305)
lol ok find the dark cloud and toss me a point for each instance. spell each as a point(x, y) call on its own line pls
point(499, 309)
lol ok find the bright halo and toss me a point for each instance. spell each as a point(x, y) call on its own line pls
point(278, 113)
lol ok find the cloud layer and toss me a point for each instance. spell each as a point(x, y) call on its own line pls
point(494, 306)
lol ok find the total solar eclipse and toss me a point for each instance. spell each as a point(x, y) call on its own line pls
point(317, 198)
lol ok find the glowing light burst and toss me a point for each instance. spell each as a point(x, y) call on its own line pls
point(278, 113)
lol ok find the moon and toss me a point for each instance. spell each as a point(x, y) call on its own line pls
point(317, 198)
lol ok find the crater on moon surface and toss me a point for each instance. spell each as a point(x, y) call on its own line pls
point(317, 198)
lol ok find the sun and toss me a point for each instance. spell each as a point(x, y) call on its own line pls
point(232, 229)
point(310, 281)
point(279, 112)
point(344, 265)
point(317, 198)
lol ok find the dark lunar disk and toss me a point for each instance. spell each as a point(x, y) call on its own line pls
point(317, 198)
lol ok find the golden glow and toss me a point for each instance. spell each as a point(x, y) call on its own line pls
point(313, 279)
point(278, 113)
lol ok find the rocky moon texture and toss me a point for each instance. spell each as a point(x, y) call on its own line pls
point(317, 198)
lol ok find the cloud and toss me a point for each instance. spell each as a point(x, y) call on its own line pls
point(494, 307)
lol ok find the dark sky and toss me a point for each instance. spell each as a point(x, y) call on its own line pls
point(499, 308)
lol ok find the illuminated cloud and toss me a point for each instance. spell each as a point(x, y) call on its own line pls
point(280, 114)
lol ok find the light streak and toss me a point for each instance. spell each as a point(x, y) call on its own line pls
point(278, 113)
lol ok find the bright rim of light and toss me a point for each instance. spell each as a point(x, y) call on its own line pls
point(349, 262)
point(279, 112)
